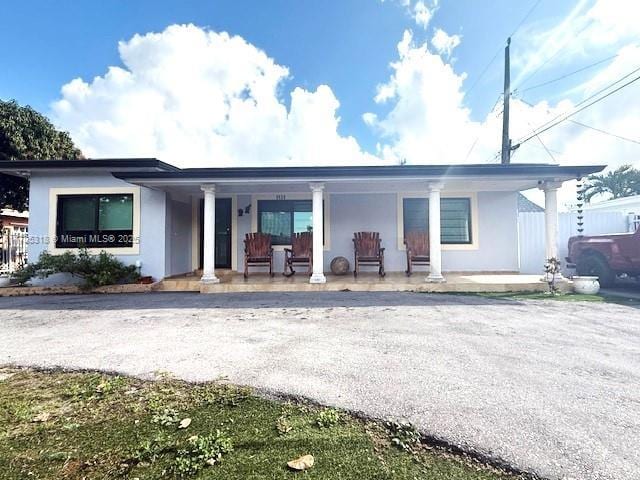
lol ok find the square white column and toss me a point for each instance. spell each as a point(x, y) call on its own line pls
point(208, 246)
point(435, 248)
point(318, 247)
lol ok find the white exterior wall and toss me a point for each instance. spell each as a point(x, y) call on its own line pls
point(152, 217)
point(167, 248)
point(497, 232)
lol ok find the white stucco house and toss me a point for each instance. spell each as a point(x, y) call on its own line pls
point(172, 221)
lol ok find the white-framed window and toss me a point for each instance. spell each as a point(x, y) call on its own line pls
point(458, 219)
point(281, 215)
point(103, 218)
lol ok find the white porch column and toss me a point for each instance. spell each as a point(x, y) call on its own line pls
point(551, 218)
point(209, 247)
point(435, 249)
point(318, 247)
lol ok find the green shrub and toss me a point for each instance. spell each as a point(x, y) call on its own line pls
point(94, 270)
point(200, 452)
point(327, 418)
point(403, 435)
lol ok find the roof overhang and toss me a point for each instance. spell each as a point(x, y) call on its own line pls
point(24, 168)
point(154, 173)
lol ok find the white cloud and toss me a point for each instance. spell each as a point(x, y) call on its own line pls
point(590, 27)
point(421, 14)
point(428, 121)
point(199, 98)
point(445, 43)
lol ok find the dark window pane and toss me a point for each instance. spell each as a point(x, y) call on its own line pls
point(278, 225)
point(79, 213)
point(282, 218)
point(101, 221)
point(455, 220)
point(116, 212)
point(415, 215)
point(302, 222)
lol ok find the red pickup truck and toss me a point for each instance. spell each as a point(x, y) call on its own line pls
point(605, 256)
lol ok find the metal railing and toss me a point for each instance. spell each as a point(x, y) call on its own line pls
point(634, 222)
point(13, 249)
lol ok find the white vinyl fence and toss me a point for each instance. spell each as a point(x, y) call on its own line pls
point(532, 236)
point(13, 249)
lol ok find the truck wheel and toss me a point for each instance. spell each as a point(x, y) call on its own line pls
point(594, 265)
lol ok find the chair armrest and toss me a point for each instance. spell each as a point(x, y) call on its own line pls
point(288, 250)
point(382, 250)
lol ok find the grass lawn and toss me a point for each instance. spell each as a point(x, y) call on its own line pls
point(563, 297)
point(87, 425)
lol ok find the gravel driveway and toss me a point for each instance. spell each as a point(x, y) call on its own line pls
point(550, 387)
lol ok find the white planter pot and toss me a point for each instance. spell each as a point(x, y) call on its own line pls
point(4, 280)
point(586, 285)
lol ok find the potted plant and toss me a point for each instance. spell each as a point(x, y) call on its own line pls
point(552, 271)
point(585, 284)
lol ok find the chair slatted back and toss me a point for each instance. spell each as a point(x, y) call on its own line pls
point(257, 244)
point(418, 243)
point(367, 244)
point(302, 244)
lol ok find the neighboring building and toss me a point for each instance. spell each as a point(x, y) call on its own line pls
point(13, 239)
point(527, 206)
point(629, 206)
point(173, 220)
point(13, 219)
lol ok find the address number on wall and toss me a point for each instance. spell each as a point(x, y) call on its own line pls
point(281, 196)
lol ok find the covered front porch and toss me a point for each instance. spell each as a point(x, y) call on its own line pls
point(469, 215)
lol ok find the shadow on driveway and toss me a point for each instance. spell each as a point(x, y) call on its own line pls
point(173, 300)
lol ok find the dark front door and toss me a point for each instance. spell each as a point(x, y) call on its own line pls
point(223, 232)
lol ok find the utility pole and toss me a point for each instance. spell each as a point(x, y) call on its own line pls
point(506, 141)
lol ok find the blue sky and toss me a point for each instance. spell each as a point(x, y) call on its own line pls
point(339, 82)
point(345, 44)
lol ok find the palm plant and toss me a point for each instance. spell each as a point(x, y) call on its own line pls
point(622, 182)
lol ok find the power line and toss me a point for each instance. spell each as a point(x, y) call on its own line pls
point(481, 128)
point(524, 19)
point(557, 52)
point(570, 74)
point(590, 97)
point(605, 132)
point(581, 124)
point(540, 130)
point(493, 59)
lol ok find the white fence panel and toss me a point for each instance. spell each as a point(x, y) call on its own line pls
point(13, 249)
point(532, 235)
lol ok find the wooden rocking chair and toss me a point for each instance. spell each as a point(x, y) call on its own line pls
point(417, 244)
point(258, 252)
point(368, 251)
point(301, 251)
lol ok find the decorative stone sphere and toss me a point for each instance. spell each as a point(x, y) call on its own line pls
point(339, 266)
point(586, 285)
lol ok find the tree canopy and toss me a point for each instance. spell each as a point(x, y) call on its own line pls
point(28, 135)
point(622, 182)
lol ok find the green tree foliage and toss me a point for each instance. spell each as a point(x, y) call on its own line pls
point(27, 135)
point(622, 182)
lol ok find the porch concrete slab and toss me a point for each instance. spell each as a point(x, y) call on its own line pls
point(232, 282)
point(549, 387)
